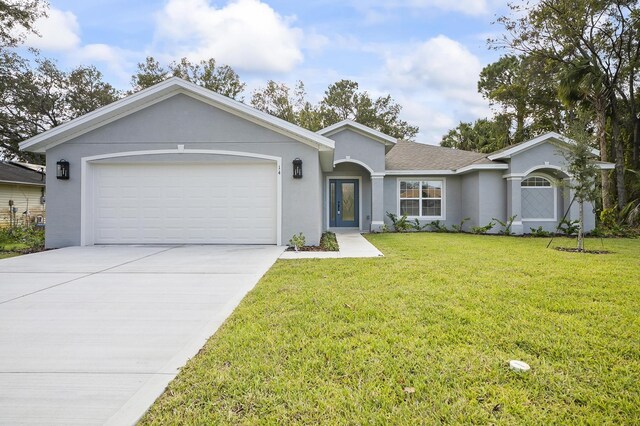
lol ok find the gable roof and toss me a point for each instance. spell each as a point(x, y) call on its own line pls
point(162, 91)
point(413, 156)
point(14, 173)
point(358, 128)
point(510, 151)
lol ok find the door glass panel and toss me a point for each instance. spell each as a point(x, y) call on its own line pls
point(332, 197)
point(348, 205)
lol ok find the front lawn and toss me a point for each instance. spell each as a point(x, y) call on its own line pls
point(424, 336)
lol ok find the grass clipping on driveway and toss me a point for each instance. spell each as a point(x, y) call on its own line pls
point(424, 335)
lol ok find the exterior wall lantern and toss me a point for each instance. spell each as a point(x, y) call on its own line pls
point(297, 168)
point(62, 169)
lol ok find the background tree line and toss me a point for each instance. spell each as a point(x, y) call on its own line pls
point(567, 58)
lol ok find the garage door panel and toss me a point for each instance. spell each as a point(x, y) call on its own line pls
point(184, 203)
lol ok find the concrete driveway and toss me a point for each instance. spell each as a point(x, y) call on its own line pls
point(92, 335)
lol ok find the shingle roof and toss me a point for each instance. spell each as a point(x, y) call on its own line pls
point(418, 156)
point(10, 172)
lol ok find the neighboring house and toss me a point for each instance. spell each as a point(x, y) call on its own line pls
point(22, 188)
point(177, 163)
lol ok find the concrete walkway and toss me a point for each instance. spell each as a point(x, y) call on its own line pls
point(92, 335)
point(351, 243)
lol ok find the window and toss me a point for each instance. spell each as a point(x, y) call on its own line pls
point(535, 181)
point(422, 198)
point(539, 199)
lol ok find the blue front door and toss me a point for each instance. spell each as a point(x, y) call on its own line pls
point(344, 203)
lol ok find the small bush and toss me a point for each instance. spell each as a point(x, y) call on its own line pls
point(506, 226)
point(328, 242)
point(458, 228)
point(297, 241)
point(539, 232)
point(569, 227)
point(437, 226)
point(483, 229)
point(609, 218)
point(401, 224)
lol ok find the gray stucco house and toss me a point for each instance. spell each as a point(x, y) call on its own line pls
point(177, 163)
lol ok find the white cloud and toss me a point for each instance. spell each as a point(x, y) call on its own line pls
point(436, 81)
point(118, 62)
point(246, 34)
point(59, 31)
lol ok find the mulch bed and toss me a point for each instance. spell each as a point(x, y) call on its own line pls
point(307, 248)
point(575, 250)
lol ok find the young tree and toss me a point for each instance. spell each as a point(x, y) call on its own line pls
point(582, 169)
point(581, 86)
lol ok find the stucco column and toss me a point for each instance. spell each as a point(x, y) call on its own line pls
point(514, 203)
point(377, 201)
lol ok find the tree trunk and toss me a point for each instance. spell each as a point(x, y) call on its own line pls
point(636, 143)
point(604, 156)
point(619, 149)
point(581, 226)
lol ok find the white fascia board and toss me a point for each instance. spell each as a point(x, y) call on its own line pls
point(161, 91)
point(359, 128)
point(474, 167)
point(419, 172)
point(534, 142)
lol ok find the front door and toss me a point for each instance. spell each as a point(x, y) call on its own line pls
point(344, 203)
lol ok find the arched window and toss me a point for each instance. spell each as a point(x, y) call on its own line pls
point(539, 199)
point(536, 181)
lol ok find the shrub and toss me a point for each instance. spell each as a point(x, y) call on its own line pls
point(22, 238)
point(437, 226)
point(297, 241)
point(458, 228)
point(401, 224)
point(539, 232)
point(569, 227)
point(328, 242)
point(506, 226)
point(609, 218)
point(483, 229)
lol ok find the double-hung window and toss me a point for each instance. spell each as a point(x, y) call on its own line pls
point(422, 198)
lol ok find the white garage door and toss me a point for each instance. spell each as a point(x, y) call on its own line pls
point(184, 203)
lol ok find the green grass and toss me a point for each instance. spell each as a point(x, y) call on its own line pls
point(7, 254)
point(337, 341)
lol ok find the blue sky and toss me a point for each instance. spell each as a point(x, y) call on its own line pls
point(426, 53)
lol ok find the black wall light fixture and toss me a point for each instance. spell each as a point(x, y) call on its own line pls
point(62, 169)
point(297, 168)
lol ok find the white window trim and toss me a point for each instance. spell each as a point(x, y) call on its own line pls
point(443, 215)
point(554, 187)
point(328, 202)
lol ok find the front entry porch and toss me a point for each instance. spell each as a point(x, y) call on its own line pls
point(353, 198)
